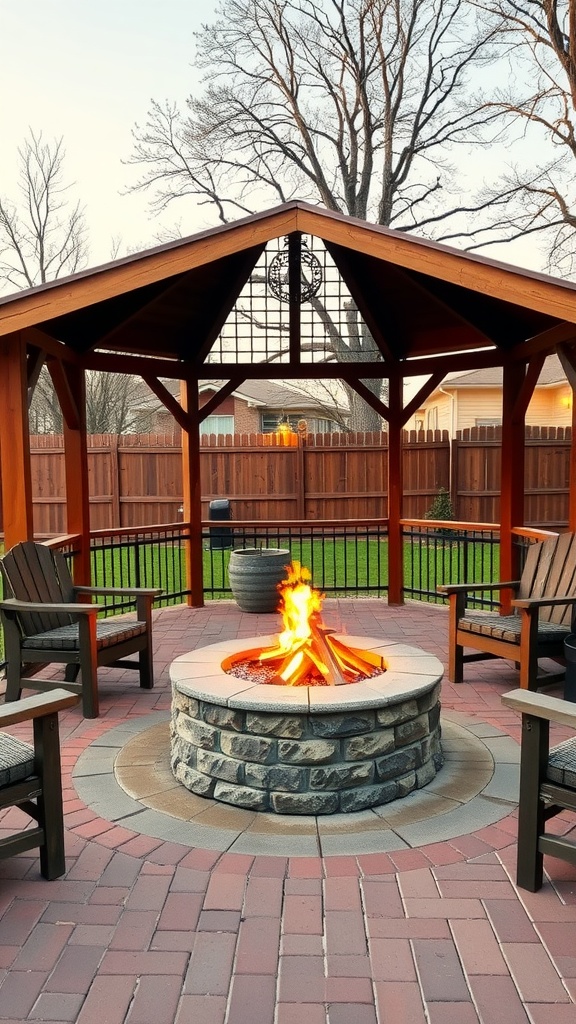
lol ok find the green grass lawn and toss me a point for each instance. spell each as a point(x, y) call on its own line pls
point(354, 567)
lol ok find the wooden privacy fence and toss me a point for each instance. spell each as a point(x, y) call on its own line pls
point(136, 479)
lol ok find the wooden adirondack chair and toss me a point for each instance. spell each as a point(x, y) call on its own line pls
point(547, 783)
point(544, 606)
point(31, 778)
point(44, 621)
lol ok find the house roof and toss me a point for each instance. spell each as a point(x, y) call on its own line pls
point(491, 376)
point(265, 394)
point(418, 298)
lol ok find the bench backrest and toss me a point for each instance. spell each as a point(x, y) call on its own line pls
point(32, 572)
point(550, 571)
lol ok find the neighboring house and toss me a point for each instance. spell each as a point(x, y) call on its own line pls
point(475, 400)
point(254, 407)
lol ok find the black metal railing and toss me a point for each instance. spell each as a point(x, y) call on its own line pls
point(436, 555)
point(344, 559)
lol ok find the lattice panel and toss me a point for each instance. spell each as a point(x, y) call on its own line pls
point(258, 328)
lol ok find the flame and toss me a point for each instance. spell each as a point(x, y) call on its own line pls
point(305, 653)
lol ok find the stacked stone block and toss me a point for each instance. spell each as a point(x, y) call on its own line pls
point(304, 763)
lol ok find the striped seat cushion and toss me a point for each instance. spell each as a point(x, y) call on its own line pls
point(67, 638)
point(562, 764)
point(507, 627)
point(16, 759)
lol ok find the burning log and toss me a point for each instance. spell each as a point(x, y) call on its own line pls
point(306, 653)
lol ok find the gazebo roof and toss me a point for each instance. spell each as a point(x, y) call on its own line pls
point(420, 299)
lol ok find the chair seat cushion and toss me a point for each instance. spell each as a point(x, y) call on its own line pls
point(507, 627)
point(16, 759)
point(67, 638)
point(562, 763)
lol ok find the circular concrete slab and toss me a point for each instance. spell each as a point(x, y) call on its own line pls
point(125, 777)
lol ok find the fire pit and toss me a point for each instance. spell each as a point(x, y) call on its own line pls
point(349, 722)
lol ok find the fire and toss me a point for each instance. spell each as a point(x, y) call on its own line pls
point(306, 653)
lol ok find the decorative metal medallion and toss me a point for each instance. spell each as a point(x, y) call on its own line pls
point(310, 274)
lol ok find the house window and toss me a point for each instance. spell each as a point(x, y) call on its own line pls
point(270, 421)
point(217, 425)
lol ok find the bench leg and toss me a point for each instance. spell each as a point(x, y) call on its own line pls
point(50, 811)
point(146, 667)
point(89, 667)
point(534, 757)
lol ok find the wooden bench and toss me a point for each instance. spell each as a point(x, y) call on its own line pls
point(30, 778)
point(544, 608)
point(46, 621)
point(547, 783)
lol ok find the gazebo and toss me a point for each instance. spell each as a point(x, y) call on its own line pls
point(428, 309)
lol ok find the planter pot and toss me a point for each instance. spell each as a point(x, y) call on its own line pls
point(254, 575)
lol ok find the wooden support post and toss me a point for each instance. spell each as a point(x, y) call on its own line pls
point(395, 488)
point(192, 493)
point(512, 472)
point(17, 510)
point(572, 472)
point(72, 381)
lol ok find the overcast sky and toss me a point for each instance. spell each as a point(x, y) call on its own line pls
point(87, 71)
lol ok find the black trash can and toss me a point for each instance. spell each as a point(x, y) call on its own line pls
point(220, 536)
point(570, 679)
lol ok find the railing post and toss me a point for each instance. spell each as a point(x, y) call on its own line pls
point(395, 489)
point(192, 495)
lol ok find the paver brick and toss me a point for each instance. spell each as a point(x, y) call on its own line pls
point(56, 1006)
point(533, 973)
point(478, 948)
point(344, 1013)
point(392, 960)
point(180, 911)
point(263, 896)
point(302, 915)
point(258, 946)
point(301, 979)
point(497, 1000)
point(210, 967)
point(19, 991)
point(156, 999)
point(107, 1001)
point(75, 969)
point(252, 998)
point(440, 971)
point(399, 1003)
point(225, 891)
point(207, 1009)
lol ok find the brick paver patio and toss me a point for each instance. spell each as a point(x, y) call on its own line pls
point(143, 929)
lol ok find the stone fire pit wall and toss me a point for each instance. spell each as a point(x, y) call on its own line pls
point(299, 754)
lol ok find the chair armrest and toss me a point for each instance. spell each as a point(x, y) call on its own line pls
point(463, 588)
point(541, 705)
point(121, 591)
point(35, 707)
point(12, 605)
point(542, 602)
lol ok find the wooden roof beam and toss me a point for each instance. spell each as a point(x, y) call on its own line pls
point(421, 396)
point(161, 391)
point(40, 339)
point(213, 403)
point(64, 393)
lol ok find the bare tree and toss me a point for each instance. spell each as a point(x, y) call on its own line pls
point(537, 102)
point(109, 408)
point(42, 236)
point(353, 104)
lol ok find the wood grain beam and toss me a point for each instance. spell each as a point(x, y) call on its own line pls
point(64, 393)
point(17, 509)
point(213, 403)
point(161, 391)
point(421, 396)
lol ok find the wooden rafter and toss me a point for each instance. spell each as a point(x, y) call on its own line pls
point(421, 396)
point(213, 403)
point(64, 393)
point(161, 391)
